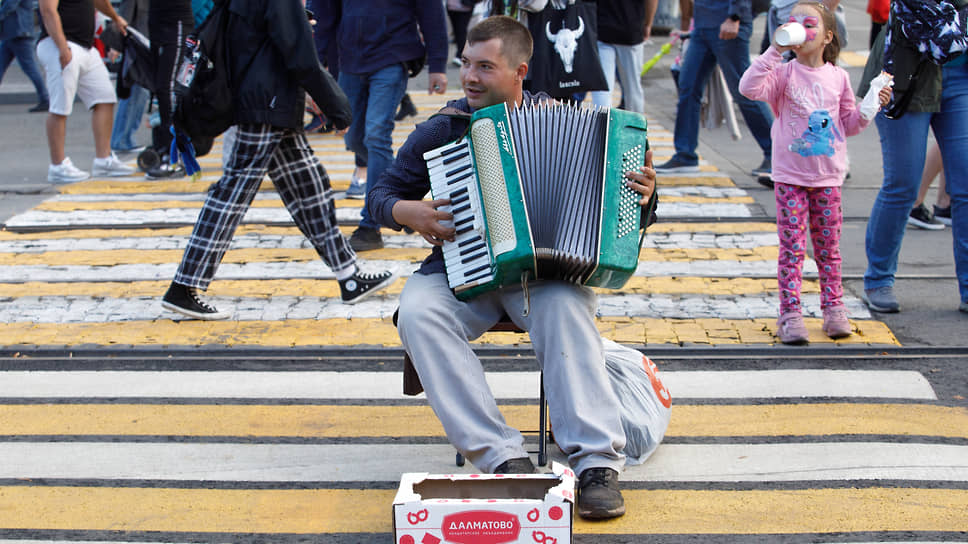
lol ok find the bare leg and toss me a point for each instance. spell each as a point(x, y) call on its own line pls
point(56, 136)
point(102, 117)
point(943, 200)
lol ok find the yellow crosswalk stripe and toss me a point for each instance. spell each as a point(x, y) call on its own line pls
point(315, 421)
point(314, 511)
point(381, 332)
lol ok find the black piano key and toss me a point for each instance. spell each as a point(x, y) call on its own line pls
point(476, 270)
point(456, 158)
point(462, 220)
point(469, 241)
point(454, 149)
point(459, 179)
point(473, 258)
point(465, 229)
point(460, 210)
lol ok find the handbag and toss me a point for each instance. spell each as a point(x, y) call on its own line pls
point(565, 59)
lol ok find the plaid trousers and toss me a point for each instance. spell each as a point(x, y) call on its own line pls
point(302, 183)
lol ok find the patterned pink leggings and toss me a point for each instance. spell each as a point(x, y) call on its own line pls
point(793, 204)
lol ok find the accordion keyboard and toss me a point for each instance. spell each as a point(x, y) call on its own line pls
point(452, 176)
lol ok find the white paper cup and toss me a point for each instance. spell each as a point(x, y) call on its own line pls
point(791, 34)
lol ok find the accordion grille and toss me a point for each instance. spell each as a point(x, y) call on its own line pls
point(497, 208)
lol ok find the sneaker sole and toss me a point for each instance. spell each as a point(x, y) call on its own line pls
point(355, 197)
point(881, 309)
point(944, 220)
point(838, 334)
point(678, 170)
point(204, 317)
point(602, 513)
point(373, 290)
point(65, 180)
point(926, 226)
point(111, 174)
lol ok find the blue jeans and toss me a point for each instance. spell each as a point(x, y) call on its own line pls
point(128, 117)
point(23, 49)
point(903, 146)
point(374, 98)
point(733, 56)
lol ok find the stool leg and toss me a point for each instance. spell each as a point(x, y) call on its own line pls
point(542, 427)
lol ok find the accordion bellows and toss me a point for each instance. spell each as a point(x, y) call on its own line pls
point(538, 192)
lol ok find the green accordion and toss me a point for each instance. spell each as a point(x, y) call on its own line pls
point(538, 192)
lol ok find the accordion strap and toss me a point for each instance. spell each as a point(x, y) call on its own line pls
point(454, 113)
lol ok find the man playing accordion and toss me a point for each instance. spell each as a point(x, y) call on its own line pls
point(436, 327)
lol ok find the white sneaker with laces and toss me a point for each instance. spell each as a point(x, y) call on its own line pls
point(111, 166)
point(65, 172)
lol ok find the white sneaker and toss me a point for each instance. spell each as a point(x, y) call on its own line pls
point(65, 172)
point(111, 166)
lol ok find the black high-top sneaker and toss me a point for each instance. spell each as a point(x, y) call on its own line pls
point(361, 285)
point(184, 300)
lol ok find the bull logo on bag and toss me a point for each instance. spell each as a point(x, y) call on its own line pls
point(566, 42)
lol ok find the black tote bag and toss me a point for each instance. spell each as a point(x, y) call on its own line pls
point(565, 59)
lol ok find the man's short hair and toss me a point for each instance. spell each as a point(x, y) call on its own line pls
point(516, 42)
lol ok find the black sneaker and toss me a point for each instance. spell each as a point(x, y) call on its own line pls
point(407, 109)
point(764, 169)
point(598, 494)
point(765, 181)
point(923, 219)
point(184, 300)
point(943, 214)
point(366, 239)
point(360, 285)
point(166, 171)
point(676, 166)
point(40, 107)
point(518, 465)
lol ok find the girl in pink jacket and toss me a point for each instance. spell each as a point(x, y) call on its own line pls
point(815, 111)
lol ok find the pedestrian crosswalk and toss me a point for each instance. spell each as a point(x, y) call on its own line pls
point(283, 455)
point(225, 437)
point(100, 252)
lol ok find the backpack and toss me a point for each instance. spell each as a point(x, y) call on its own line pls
point(202, 102)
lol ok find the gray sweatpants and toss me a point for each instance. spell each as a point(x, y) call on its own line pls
point(436, 328)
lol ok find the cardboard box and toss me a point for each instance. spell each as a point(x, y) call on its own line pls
point(485, 508)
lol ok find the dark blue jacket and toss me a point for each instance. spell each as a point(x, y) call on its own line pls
point(274, 61)
point(374, 34)
point(16, 19)
point(712, 13)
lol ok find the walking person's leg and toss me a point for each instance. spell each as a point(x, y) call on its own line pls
point(949, 130)
point(225, 205)
point(791, 225)
point(386, 88)
point(62, 85)
point(606, 57)
point(356, 89)
point(826, 224)
point(903, 146)
point(629, 60)
point(695, 69)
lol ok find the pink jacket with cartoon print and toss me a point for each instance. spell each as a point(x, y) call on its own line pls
point(815, 111)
